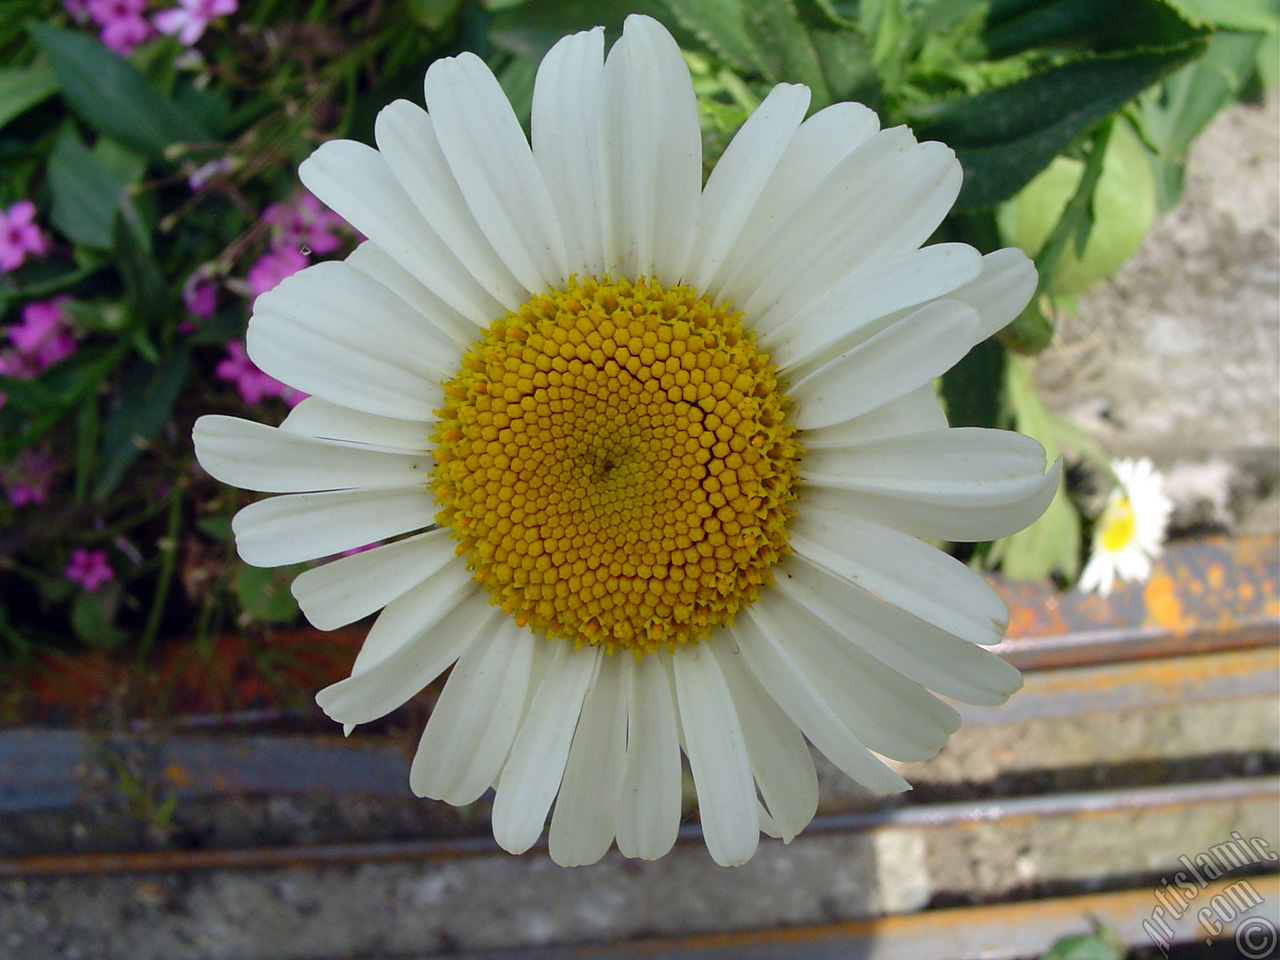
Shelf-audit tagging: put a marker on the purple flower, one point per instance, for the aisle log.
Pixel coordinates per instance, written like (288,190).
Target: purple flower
(200,294)
(207,171)
(20,236)
(301,221)
(253,384)
(189,18)
(274,267)
(29,476)
(43,337)
(122,22)
(89,568)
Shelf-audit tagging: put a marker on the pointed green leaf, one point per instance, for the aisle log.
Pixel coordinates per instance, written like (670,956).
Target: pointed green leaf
(111,96)
(146,397)
(86,195)
(23,88)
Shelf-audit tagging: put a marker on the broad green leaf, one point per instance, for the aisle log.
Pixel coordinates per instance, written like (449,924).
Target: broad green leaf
(1052,543)
(1122,204)
(720,26)
(1004,137)
(1251,15)
(22,88)
(264,593)
(516,79)
(93,615)
(1103,944)
(1174,114)
(433,14)
(86,194)
(1101,26)
(113,97)
(532,28)
(145,398)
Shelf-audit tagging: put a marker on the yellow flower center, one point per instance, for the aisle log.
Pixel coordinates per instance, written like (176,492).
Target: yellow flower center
(616,464)
(1117,525)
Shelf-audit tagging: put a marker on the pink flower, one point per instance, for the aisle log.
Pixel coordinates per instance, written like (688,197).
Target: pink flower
(253,384)
(188,20)
(199,293)
(301,221)
(43,337)
(274,267)
(89,568)
(20,236)
(77,10)
(29,476)
(122,22)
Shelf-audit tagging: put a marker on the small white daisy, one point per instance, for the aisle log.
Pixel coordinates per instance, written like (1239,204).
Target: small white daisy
(680,446)
(1130,530)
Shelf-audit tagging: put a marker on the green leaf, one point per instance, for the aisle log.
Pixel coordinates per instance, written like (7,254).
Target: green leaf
(971,389)
(1101,26)
(1103,944)
(146,294)
(86,195)
(433,14)
(721,27)
(1004,137)
(1174,114)
(146,397)
(264,593)
(93,615)
(1250,15)
(111,96)
(1112,217)
(1052,543)
(531,29)
(23,88)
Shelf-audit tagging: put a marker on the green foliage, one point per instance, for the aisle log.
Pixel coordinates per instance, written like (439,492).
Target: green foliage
(114,98)
(1103,943)
(21,89)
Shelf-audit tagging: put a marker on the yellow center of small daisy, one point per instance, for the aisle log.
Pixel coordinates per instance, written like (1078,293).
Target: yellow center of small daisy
(1117,525)
(616,464)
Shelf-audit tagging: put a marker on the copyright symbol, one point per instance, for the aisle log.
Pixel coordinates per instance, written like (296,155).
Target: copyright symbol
(1255,938)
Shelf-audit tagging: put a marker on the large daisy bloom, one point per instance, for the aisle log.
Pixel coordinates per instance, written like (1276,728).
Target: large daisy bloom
(655,459)
(1129,533)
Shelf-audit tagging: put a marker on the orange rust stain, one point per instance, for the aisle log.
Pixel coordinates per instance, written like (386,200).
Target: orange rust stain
(1163,606)
(1216,575)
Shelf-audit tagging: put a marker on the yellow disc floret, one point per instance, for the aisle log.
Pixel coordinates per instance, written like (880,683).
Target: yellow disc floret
(616,464)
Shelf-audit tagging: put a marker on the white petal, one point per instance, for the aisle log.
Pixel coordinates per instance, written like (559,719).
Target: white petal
(532,775)
(323,420)
(818,146)
(333,332)
(897,360)
(760,644)
(344,590)
(651,153)
(355,180)
(890,714)
(848,313)
(1005,286)
(741,175)
(902,570)
(305,526)
(717,756)
(473,724)
(407,138)
(871,213)
(406,618)
(582,825)
(780,758)
(956,484)
(418,656)
(494,166)
(928,655)
(566,144)
(913,412)
(649,809)
(254,456)
(370,260)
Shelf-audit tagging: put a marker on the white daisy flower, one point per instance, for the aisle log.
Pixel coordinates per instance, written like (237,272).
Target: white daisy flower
(680,446)
(1130,530)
